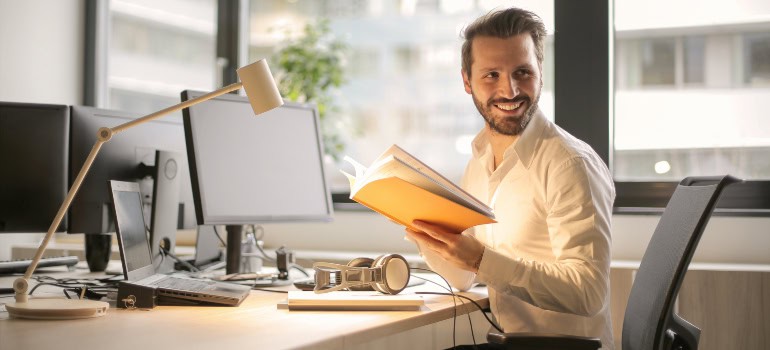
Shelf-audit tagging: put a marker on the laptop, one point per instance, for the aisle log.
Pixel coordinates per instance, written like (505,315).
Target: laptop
(137,264)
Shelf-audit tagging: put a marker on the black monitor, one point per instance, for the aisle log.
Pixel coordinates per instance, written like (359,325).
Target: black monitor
(248,169)
(34,141)
(128,156)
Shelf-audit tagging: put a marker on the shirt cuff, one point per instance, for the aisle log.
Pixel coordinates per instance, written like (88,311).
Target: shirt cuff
(498,270)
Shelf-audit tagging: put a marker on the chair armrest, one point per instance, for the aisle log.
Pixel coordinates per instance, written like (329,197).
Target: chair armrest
(542,341)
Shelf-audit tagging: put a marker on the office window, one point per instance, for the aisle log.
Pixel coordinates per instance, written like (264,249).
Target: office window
(403,72)
(658,61)
(156,49)
(757,58)
(691,90)
(694,51)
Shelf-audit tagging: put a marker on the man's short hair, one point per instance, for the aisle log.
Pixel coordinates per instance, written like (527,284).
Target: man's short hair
(504,24)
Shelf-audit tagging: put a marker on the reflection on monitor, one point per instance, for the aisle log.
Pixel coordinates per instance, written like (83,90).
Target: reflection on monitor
(34,140)
(120,159)
(248,169)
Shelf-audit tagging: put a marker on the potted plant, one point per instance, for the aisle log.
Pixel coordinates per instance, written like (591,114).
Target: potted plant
(310,68)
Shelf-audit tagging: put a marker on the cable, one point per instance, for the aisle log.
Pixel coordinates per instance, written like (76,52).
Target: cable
(185,263)
(300,269)
(454,300)
(491,322)
(216,232)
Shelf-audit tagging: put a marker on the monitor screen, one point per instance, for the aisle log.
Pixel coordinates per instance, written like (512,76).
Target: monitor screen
(34,141)
(120,159)
(249,169)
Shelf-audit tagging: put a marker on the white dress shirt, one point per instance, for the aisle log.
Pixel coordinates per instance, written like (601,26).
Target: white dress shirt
(547,259)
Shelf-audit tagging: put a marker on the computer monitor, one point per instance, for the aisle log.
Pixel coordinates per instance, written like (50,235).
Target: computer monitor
(128,156)
(34,142)
(248,169)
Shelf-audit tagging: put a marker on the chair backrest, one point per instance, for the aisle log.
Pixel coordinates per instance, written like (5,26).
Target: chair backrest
(649,321)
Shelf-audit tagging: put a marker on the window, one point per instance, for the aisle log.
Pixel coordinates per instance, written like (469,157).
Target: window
(757,58)
(691,113)
(403,73)
(155,50)
(658,61)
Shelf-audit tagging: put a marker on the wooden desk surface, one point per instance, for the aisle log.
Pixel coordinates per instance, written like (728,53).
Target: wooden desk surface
(256,324)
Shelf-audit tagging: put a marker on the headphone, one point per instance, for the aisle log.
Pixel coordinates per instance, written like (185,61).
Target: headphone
(388,274)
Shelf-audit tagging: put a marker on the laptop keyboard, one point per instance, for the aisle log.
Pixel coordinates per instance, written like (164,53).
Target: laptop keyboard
(181,284)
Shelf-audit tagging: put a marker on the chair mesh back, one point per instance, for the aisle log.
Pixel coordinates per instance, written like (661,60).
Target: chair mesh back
(657,282)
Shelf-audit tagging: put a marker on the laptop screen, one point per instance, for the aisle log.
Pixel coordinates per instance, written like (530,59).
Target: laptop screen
(130,226)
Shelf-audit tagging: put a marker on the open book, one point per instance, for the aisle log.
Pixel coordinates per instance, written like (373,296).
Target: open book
(402,188)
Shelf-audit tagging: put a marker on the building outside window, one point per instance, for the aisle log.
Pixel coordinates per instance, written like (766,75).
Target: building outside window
(691,90)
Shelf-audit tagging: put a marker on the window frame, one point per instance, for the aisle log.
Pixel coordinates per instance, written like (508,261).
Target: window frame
(584,42)
(585,47)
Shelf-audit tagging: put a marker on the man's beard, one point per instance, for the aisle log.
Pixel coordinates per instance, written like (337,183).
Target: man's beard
(510,126)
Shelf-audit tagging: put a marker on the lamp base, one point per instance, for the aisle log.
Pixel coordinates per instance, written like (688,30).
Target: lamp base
(57,309)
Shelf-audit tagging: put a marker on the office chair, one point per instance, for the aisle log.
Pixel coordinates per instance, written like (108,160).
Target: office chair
(650,322)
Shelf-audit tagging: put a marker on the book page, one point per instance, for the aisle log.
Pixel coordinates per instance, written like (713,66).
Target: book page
(407,158)
(391,166)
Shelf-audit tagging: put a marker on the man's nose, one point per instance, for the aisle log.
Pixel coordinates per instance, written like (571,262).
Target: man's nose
(508,88)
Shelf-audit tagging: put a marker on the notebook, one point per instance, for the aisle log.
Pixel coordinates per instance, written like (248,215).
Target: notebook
(137,264)
(352,301)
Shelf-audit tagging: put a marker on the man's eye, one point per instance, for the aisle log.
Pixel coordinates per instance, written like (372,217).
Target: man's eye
(523,73)
(492,75)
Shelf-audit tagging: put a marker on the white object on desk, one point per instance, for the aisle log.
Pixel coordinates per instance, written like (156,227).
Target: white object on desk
(353,300)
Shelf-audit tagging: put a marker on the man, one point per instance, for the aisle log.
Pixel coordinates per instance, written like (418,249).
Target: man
(546,260)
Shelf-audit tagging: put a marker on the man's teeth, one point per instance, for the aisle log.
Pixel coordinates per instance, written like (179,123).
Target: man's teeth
(509,107)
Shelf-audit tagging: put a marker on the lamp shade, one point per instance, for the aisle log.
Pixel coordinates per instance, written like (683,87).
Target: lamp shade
(260,87)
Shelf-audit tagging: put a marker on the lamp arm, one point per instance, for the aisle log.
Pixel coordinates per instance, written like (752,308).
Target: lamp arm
(178,107)
(21,285)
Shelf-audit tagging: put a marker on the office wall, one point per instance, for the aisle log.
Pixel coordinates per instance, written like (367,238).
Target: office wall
(41,61)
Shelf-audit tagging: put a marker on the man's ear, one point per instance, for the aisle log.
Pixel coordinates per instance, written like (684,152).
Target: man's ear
(466,81)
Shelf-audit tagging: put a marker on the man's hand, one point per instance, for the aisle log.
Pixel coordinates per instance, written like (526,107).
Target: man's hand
(460,250)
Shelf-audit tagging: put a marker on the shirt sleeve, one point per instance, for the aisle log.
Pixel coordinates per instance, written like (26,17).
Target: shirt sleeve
(579,197)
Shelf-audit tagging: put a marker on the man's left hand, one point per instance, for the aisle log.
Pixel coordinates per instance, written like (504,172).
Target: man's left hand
(460,250)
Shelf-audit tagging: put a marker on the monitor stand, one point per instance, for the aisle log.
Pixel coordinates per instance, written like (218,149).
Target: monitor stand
(165,207)
(233,252)
(233,256)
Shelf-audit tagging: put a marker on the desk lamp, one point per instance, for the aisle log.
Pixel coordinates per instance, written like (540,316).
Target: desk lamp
(263,95)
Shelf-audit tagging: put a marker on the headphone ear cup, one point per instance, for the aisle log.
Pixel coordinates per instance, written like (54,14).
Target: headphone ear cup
(395,273)
(361,262)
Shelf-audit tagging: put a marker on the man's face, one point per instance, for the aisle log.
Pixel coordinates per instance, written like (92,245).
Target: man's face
(505,81)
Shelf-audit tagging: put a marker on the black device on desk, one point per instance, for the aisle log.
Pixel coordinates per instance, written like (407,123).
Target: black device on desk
(144,287)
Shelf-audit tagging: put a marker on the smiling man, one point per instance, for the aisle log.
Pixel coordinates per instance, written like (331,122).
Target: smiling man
(546,261)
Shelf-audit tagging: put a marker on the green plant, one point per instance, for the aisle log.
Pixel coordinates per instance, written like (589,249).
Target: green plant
(310,68)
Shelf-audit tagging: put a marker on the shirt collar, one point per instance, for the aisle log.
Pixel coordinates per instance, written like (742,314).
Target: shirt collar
(524,148)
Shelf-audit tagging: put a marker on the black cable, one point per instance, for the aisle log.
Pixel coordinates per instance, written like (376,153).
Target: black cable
(216,232)
(454,300)
(300,269)
(470,322)
(491,322)
(185,263)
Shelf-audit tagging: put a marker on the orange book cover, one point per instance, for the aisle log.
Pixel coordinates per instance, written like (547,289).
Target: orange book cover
(404,189)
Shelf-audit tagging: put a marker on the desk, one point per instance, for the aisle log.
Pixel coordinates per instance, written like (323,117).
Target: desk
(255,324)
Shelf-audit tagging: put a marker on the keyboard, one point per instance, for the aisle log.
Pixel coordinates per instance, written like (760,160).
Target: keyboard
(21,265)
(182,284)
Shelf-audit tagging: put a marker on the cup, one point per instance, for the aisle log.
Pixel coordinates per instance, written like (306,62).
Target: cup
(98,251)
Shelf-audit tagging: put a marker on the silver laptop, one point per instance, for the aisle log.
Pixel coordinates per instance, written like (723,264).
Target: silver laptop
(137,259)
